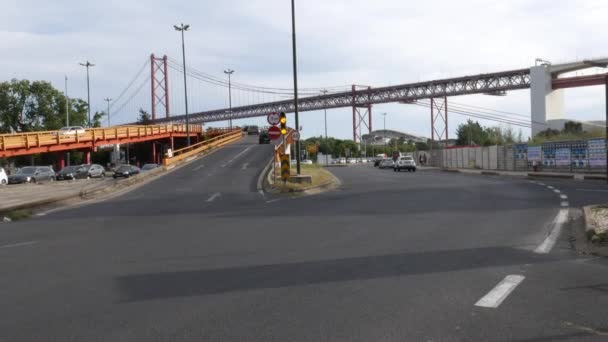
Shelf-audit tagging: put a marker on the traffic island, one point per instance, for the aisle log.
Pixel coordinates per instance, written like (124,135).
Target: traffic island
(590,230)
(313,179)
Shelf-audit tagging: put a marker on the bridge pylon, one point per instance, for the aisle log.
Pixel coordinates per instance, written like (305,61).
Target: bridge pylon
(439,119)
(159,81)
(362,115)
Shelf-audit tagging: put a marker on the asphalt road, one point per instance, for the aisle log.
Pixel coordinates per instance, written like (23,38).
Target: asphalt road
(201,255)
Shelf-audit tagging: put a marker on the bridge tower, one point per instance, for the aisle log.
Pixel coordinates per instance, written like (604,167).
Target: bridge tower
(362,115)
(159,84)
(439,119)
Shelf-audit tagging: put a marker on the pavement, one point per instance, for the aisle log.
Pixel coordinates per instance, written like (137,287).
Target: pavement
(201,255)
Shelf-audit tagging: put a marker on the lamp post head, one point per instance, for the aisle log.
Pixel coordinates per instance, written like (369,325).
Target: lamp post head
(182,27)
(228,71)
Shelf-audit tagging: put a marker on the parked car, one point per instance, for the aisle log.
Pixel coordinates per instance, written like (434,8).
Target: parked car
(71,130)
(32,174)
(386,163)
(253,130)
(307,161)
(351,161)
(377,162)
(264,137)
(3,177)
(406,163)
(67,173)
(148,167)
(342,161)
(126,171)
(87,171)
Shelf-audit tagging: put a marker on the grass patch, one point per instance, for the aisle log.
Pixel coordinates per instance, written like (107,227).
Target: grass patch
(20,214)
(320,176)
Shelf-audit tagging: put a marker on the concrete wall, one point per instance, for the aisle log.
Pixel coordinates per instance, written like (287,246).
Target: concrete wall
(545,103)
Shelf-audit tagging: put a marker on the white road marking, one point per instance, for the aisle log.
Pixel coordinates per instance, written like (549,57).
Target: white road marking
(213,197)
(19,244)
(199,167)
(565,204)
(556,229)
(274,200)
(500,292)
(563,197)
(238,155)
(556,191)
(539,183)
(245,166)
(592,190)
(550,187)
(261,192)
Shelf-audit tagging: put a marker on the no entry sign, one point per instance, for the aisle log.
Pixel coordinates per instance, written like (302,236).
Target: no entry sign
(274,132)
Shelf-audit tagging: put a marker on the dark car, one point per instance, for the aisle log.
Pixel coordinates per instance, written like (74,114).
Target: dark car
(67,173)
(264,137)
(148,167)
(87,171)
(377,162)
(126,171)
(32,174)
(253,130)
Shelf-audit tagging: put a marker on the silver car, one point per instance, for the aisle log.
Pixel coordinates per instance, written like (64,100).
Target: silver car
(386,164)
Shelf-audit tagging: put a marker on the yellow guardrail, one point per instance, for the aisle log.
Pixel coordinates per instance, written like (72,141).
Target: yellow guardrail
(201,147)
(46,138)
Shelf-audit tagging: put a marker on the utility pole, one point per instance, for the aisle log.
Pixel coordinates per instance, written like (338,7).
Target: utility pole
(183,28)
(67,114)
(295,78)
(384,131)
(107,99)
(88,65)
(325,91)
(229,73)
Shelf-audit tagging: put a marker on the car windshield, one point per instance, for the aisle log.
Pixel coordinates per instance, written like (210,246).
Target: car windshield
(29,170)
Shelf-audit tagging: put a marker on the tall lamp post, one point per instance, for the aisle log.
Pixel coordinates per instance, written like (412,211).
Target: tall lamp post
(325,91)
(229,73)
(295,79)
(67,114)
(183,28)
(88,65)
(107,99)
(384,131)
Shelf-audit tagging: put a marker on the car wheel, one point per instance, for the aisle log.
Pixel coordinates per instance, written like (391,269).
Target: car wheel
(103,175)
(413,170)
(52,179)
(115,176)
(33,180)
(3,182)
(89,176)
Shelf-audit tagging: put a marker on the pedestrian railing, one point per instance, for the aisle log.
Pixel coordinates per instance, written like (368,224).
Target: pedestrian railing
(202,147)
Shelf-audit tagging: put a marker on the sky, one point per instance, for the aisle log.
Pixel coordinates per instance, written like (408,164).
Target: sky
(340,42)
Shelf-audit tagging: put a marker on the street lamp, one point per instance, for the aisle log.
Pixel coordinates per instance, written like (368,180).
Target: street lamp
(183,28)
(384,131)
(88,65)
(107,99)
(229,73)
(325,91)
(67,113)
(295,78)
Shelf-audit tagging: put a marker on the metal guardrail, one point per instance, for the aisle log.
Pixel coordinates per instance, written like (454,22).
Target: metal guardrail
(31,140)
(201,147)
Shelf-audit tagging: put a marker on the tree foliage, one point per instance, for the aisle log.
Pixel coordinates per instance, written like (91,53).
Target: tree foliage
(144,118)
(472,133)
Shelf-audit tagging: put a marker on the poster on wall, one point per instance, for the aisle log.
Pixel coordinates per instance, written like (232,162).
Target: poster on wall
(548,152)
(534,154)
(521,151)
(578,154)
(597,152)
(562,156)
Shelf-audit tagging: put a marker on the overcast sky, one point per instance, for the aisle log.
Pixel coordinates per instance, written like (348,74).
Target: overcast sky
(340,42)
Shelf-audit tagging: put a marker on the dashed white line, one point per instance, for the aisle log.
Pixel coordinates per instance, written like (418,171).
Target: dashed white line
(500,292)
(245,166)
(274,200)
(556,191)
(563,197)
(213,197)
(198,167)
(539,183)
(238,155)
(556,228)
(19,244)
(565,204)
(550,187)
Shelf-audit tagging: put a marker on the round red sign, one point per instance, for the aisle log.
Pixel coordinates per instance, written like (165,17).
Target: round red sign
(274,132)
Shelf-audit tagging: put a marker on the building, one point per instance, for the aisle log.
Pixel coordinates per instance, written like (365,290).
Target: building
(382,137)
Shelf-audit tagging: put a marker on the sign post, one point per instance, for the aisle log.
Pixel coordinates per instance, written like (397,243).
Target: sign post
(274,132)
(285,172)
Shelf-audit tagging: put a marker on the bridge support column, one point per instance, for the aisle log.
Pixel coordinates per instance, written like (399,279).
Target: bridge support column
(154,153)
(439,119)
(546,103)
(87,157)
(61,160)
(362,114)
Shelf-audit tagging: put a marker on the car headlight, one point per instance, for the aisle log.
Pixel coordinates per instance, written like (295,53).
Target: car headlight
(27,179)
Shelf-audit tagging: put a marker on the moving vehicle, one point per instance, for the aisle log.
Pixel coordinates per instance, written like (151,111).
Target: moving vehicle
(32,174)
(406,163)
(342,160)
(71,130)
(126,171)
(3,177)
(148,167)
(264,137)
(87,171)
(253,130)
(67,173)
(386,163)
(377,161)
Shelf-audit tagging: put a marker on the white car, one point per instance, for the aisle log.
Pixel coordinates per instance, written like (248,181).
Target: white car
(307,161)
(352,161)
(405,163)
(71,130)
(342,161)
(3,177)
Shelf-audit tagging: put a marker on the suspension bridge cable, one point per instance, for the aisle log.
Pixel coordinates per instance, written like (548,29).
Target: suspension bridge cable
(137,75)
(135,93)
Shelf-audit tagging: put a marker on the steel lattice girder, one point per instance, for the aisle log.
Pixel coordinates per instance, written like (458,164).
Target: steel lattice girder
(479,84)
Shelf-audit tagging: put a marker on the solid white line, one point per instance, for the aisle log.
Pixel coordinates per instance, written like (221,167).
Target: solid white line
(565,204)
(501,291)
(213,197)
(245,166)
(556,228)
(238,155)
(199,167)
(19,244)
(556,191)
(592,190)
(563,197)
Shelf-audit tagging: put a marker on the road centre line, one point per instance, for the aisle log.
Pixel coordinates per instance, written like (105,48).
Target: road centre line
(500,292)
(565,204)
(238,155)
(198,167)
(556,191)
(539,183)
(556,228)
(550,187)
(213,197)
(563,197)
(27,243)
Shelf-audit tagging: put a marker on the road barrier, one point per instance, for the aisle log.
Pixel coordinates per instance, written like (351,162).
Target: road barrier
(192,150)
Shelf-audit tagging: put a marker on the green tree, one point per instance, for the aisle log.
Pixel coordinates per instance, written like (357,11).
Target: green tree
(572,127)
(144,118)
(470,133)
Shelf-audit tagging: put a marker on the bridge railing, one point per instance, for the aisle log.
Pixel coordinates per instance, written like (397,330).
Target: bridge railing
(195,149)
(28,140)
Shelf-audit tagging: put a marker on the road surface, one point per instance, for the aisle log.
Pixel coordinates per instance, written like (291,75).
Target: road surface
(201,255)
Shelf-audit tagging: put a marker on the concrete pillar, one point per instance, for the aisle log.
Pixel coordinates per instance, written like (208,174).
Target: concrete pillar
(61,160)
(87,157)
(154,153)
(546,103)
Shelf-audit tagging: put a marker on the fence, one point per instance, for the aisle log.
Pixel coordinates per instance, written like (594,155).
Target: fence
(201,147)
(584,156)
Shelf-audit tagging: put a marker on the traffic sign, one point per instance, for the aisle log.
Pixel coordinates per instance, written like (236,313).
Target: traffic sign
(274,132)
(295,135)
(285,173)
(273,118)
